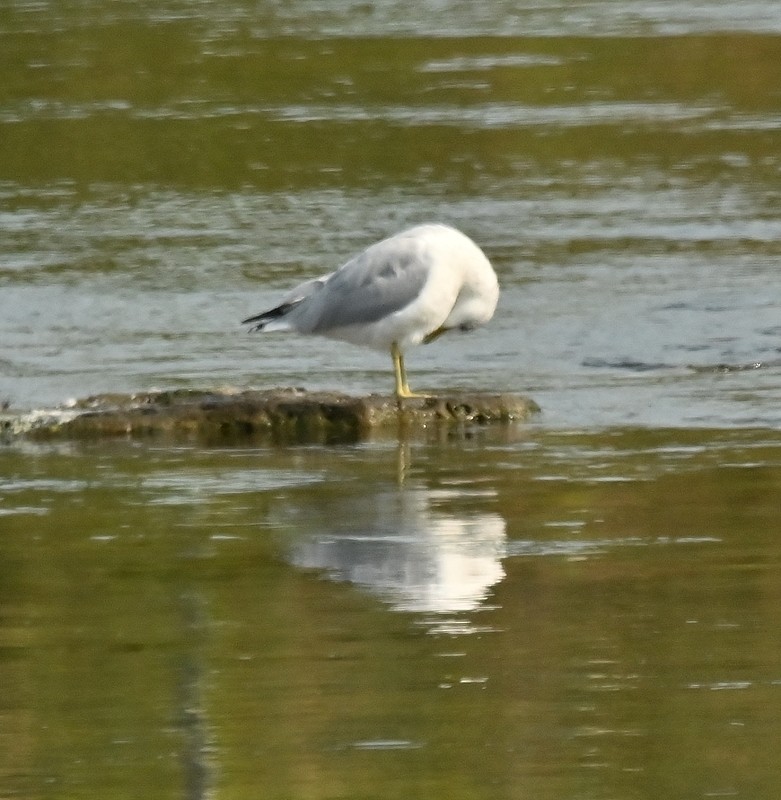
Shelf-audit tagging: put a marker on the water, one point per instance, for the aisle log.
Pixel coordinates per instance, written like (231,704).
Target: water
(583,607)
(511,613)
(169,169)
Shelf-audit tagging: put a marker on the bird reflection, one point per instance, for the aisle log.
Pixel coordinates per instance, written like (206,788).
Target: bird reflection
(407,545)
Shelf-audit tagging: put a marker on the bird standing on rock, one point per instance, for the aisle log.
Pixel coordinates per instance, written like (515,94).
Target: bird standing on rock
(403,291)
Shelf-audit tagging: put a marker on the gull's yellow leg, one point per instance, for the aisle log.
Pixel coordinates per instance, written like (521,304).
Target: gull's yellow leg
(400,374)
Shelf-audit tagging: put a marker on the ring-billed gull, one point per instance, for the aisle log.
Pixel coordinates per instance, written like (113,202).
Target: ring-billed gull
(403,291)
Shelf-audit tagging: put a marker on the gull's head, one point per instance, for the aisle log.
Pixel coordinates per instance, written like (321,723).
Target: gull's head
(478,295)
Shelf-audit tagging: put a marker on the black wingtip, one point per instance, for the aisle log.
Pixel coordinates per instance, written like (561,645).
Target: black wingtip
(267,316)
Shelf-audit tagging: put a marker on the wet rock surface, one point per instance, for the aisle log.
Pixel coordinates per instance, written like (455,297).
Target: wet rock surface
(288,415)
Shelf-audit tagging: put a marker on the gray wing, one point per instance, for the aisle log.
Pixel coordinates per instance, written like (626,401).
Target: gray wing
(383,279)
(289,302)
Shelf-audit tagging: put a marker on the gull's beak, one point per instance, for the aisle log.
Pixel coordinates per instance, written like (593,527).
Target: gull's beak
(429,337)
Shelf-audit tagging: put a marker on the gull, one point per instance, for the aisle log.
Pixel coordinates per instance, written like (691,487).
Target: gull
(404,291)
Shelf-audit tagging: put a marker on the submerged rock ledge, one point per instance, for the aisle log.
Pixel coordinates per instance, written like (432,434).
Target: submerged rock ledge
(288,415)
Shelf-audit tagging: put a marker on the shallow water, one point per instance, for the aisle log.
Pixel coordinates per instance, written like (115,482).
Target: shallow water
(508,613)
(582,607)
(168,169)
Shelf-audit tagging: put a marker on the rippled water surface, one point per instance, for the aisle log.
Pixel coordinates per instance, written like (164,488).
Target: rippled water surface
(503,614)
(584,607)
(168,168)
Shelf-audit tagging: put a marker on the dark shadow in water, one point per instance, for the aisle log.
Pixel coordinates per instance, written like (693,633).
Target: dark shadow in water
(197,766)
(632,365)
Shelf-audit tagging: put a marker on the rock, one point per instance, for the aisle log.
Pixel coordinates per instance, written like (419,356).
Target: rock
(289,415)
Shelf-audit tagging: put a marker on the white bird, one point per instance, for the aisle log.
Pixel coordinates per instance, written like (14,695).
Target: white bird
(403,291)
